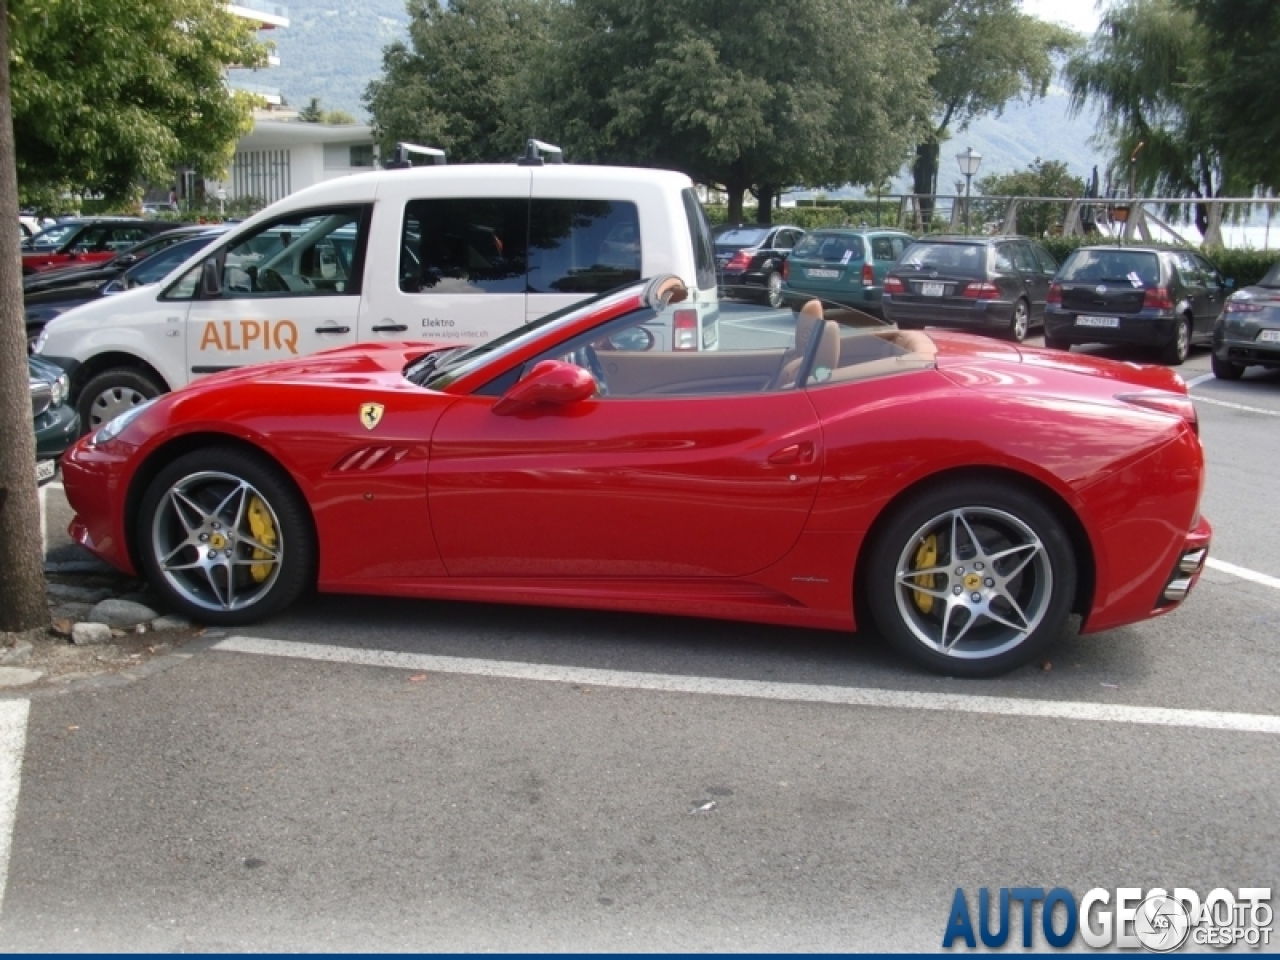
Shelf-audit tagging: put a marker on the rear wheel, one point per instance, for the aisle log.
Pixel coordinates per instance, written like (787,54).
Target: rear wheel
(773,288)
(1056,343)
(111,393)
(1225,369)
(222,534)
(972,579)
(1020,322)
(1176,350)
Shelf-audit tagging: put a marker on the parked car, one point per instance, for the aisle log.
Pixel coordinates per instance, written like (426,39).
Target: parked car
(1247,332)
(749,259)
(57,424)
(988,284)
(1146,296)
(844,265)
(45,300)
(837,473)
(74,242)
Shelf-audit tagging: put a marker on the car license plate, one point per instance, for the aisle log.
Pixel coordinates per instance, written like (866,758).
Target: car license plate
(933,289)
(1087,321)
(1269,336)
(45,471)
(823,274)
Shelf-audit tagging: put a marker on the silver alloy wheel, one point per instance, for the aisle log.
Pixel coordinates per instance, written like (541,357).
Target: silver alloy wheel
(112,402)
(211,537)
(988,595)
(1183,344)
(1021,321)
(774,282)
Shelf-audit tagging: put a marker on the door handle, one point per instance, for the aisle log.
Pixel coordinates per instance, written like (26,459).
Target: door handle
(333,329)
(795,453)
(390,328)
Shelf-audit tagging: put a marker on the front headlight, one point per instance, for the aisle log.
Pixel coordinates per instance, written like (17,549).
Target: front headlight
(61,387)
(113,428)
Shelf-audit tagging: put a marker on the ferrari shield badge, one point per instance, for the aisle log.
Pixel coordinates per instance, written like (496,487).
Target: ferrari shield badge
(370,414)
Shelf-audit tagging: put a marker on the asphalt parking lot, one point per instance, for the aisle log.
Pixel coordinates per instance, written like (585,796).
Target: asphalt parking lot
(369,774)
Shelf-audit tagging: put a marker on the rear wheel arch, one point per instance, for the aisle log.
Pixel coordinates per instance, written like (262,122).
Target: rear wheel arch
(1081,546)
(166,453)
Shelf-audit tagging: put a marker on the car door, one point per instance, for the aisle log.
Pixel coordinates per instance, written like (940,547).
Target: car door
(290,288)
(1215,295)
(684,468)
(1195,290)
(1034,281)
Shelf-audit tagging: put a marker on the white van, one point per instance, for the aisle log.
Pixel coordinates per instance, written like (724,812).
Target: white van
(444,253)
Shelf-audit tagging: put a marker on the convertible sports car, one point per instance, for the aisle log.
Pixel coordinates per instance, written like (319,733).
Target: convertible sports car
(819,469)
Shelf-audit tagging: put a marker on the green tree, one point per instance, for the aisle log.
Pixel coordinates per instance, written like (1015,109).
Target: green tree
(114,93)
(1043,178)
(1238,89)
(1141,69)
(987,53)
(466,81)
(751,96)
(312,113)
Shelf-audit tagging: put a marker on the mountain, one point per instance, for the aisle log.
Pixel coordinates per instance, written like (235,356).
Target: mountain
(332,49)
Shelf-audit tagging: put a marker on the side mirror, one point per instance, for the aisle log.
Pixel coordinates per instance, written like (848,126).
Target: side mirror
(126,259)
(552,383)
(1229,283)
(210,281)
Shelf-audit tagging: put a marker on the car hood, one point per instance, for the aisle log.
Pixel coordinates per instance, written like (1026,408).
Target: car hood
(68,276)
(75,292)
(361,364)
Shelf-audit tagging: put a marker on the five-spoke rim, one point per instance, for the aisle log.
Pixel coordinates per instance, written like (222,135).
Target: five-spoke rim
(973,583)
(217,541)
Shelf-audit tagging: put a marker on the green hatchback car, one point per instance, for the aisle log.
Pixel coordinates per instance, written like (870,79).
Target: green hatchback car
(844,264)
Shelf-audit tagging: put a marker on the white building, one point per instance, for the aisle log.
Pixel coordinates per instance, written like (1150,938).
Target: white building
(282,156)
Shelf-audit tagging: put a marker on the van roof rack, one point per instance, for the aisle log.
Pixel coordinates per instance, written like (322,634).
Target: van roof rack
(400,159)
(533,154)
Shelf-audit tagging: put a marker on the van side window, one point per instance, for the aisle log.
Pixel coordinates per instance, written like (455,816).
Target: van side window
(311,253)
(582,246)
(461,245)
(700,233)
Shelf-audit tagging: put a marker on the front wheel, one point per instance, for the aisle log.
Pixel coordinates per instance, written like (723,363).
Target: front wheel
(773,288)
(972,579)
(223,535)
(112,393)
(1225,369)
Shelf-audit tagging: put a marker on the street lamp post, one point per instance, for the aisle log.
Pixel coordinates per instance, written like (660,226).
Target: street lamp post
(969,164)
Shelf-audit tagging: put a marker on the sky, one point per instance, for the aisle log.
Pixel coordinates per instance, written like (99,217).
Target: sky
(1078,14)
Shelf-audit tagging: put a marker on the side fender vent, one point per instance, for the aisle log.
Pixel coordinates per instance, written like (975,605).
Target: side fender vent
(370,458)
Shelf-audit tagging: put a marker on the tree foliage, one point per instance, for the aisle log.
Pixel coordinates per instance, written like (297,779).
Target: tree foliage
(314,113)
(987,52)
(1043,178)
(1242,43)
(1142,69)
(744,95)
(113,93)
(466,82)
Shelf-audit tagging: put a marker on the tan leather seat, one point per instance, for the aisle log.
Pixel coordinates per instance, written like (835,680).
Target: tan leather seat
(807,321)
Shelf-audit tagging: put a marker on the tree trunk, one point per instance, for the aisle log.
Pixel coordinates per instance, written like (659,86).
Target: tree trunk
(735,192)
(765,195)
(22,593)
(925,179)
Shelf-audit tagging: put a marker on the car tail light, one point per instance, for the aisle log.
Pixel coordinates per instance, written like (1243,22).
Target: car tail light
(1055,293)
(868,275)
(739,261)
(981,291)
(786,269)
(1174,403)
(684,330)
(1244,306)
(1157,298)
(894,285)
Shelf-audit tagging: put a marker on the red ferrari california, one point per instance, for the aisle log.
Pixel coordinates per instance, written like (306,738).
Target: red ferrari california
(819,470)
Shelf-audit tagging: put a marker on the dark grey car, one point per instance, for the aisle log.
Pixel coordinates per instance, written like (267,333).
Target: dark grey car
(994,284)
(1247,332)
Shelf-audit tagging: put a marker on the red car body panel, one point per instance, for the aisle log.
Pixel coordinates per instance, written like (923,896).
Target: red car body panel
(753,507)
(39,262)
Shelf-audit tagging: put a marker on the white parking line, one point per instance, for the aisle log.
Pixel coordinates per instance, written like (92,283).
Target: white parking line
(756,689)
(1199,380)
(1236,406)
(13,738)
(1244,573)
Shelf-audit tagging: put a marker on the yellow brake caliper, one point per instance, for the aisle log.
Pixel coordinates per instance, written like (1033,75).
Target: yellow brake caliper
(264,531)
(926,557)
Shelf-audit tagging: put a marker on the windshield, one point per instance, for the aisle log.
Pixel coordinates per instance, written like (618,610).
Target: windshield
(829,248)
(52,236)
(157,266)
(738,237)
(963,259)
(1136,267)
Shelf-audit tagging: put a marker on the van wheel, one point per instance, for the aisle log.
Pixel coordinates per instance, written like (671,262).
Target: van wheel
(111,393)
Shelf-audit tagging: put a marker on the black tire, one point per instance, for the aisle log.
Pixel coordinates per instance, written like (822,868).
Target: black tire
(773,289)
(185,557)
(1225,369)
(1177,350)
(1000,516)
(1019,322)
(111,392)
(1056,343)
